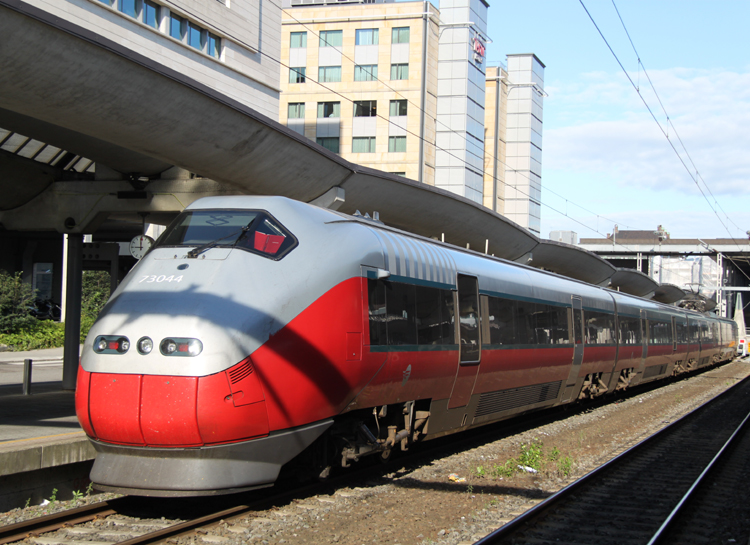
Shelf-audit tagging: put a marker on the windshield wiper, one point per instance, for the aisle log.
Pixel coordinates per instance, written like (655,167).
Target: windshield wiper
(195,252)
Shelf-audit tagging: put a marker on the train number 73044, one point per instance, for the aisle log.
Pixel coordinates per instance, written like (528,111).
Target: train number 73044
(151,278)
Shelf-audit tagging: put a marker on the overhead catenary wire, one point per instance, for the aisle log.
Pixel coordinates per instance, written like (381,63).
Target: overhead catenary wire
(668,118)
(661,128)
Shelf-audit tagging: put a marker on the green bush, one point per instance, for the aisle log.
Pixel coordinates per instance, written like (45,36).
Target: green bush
(24,332)
(16,299)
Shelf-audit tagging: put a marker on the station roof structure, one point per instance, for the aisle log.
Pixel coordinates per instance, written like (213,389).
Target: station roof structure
(153,117)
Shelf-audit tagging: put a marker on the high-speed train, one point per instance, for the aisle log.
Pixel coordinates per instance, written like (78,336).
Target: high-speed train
(261,331)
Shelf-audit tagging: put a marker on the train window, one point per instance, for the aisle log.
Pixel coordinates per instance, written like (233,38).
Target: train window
(429,323)
(401,310)
(376,296)
(694,332)
(659,332)
(630,330)
(525,321)
(250,230)
(448,317)
(681,332)
(552,325)
(600,327)
(501,313)
(404,314)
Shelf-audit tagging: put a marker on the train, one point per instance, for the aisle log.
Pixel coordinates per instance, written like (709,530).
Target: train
(261,333)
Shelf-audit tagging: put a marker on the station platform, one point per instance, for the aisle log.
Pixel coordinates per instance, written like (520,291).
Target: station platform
(41,443)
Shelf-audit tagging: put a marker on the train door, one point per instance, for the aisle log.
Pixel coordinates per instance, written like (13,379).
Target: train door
(470,347)
(645,336)
(578,345)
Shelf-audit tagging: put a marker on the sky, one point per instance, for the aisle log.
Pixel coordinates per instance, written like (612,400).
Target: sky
(605,159)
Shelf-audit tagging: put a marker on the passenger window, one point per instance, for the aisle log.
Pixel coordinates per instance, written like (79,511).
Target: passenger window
(404,314)
(401,313)
(429,322)
(376,295)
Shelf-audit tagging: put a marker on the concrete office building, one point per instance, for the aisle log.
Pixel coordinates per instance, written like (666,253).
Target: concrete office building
(404,87)
(228,45)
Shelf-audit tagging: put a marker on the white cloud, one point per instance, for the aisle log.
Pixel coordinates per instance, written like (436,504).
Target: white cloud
(599,126)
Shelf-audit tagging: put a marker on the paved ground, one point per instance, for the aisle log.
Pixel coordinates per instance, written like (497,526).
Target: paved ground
(48,411)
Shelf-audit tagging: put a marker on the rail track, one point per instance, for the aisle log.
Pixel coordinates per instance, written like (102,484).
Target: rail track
(673,487)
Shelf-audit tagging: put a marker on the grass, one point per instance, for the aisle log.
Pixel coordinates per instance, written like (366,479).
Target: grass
(531,455)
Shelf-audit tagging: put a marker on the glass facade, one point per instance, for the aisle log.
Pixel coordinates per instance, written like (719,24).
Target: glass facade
(331,38)
(400,35)
(329,109)
(399,71)
(298,39)
(363,144)
(366,72)
(398,108)
(297,75)
(329,74)
(366,36)
(396,144)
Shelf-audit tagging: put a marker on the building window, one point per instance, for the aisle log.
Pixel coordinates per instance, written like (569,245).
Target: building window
(363,144)
(108,2)
(329,109)
(297,75)
(396,144)
(214,45)
(398,108)
(127,7)
(400,71)
(366,36)
(329,74)
(151,14)
(365,108)
(175,26)
(366,72)
(194,36)
(331,143)
(400,35)
(298,39)
(331,38)
(296,110)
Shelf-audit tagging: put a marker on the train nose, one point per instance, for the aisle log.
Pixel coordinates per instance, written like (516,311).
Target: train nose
(171,411)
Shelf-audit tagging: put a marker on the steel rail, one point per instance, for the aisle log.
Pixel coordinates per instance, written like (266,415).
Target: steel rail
(507,529)
(661,532)
(55,521)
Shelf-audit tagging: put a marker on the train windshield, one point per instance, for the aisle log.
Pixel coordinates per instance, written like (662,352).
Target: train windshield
(251,230)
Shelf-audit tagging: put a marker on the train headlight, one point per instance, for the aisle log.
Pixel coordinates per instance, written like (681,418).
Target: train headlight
(178,346)
(145,345)
(168,346)
(111,344)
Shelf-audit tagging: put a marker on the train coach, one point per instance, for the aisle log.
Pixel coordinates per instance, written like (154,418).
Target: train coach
(260,332)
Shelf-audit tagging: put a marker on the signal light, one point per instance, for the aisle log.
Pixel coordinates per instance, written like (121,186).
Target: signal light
(177,346)
(111,344)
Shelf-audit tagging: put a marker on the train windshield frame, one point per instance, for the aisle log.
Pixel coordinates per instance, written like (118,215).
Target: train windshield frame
(254,231)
